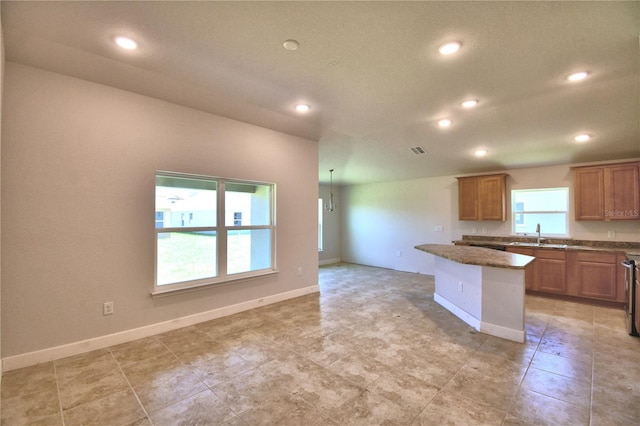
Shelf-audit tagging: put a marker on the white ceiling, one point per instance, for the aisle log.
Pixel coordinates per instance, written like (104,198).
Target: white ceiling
(371,73)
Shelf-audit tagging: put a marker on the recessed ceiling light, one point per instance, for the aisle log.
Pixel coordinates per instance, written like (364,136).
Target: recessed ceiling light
(449,48)
(470,103)
(582,138)
(302,108)
(480,152)
(126,43)
(291,44)
(577,76)
(445,122)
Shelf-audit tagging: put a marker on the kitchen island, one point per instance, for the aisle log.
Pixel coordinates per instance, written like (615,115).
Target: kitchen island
(482,287)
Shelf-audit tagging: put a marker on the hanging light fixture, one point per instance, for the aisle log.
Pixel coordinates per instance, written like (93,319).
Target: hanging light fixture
(331,206)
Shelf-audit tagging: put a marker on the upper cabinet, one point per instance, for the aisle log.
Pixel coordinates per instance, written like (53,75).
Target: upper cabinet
(607,192)
(482,197)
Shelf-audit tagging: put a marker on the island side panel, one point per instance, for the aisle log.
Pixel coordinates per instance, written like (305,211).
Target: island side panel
(503,309)
(459,289)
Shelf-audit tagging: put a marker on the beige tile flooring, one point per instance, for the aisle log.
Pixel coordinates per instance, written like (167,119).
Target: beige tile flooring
(372,348)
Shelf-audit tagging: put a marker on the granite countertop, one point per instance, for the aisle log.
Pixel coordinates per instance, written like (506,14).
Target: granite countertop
(478,256)
(623,247)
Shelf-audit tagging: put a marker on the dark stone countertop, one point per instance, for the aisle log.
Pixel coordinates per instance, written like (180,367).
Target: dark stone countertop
(478,256)
(622,247)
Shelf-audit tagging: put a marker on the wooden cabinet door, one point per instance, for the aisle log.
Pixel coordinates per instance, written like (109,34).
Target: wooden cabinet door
(609,192)
(550,276)
(622,192)
(550,271)
(482,197)
(637,319)
(529,275)
(492,203)
(588,187)
(468,198)
(595,276)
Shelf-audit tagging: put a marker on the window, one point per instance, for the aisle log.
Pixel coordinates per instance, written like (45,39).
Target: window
(237,219)
(211,230)
(320,224)
(547,207)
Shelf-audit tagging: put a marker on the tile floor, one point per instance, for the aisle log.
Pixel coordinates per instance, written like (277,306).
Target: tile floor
(372,348)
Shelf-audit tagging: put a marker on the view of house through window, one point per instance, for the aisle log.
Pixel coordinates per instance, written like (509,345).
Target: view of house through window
(548,207)
(210,229)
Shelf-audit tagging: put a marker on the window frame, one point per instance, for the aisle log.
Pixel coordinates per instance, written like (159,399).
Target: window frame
(524,212)
(221,229)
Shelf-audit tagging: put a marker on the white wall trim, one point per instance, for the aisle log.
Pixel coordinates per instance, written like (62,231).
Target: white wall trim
(504,332)
(76,348)
(329,261)
(457,311)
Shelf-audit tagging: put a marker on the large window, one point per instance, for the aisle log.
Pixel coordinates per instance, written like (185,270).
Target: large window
(211,230)
(547,207)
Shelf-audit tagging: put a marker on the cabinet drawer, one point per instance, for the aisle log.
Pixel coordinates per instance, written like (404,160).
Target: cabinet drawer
(550,254)
(598,257)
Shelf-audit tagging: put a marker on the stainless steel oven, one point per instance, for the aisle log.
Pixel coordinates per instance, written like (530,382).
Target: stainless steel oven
(632,311)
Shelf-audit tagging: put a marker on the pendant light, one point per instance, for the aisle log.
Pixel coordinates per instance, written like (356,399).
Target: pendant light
(331,206)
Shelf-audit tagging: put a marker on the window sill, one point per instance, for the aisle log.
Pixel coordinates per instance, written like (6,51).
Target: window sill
(202,286)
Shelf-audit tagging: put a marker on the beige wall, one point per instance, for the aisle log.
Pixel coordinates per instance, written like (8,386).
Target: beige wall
(78,163)
(382,222)
(331,227)
(1,97)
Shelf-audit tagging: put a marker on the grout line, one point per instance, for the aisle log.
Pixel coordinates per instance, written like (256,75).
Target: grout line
(55,373)
(593,371)
(543,321)
(208,388)
(144,410)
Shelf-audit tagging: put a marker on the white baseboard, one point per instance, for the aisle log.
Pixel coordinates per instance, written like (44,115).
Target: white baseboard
(329,261)
(504,332)
(460,313)
(83,346)
(483,327)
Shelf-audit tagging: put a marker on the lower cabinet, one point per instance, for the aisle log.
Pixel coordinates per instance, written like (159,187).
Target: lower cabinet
(586,274)
(596,275)
(550,271)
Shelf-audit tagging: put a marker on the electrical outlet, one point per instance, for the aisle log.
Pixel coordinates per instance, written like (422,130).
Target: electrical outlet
(398,253)
(474,230)
(299,270)
(460,286)
(438,228)
(611,234)
(107,308)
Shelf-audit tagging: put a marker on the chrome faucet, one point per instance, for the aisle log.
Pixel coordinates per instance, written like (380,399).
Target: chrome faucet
(538,231)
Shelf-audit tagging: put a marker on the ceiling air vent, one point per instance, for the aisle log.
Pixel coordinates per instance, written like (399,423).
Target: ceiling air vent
(417,150)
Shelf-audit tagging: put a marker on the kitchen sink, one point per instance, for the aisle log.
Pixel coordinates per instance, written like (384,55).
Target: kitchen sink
(542,245)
